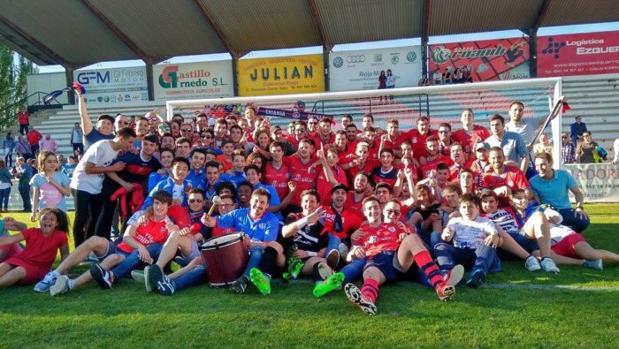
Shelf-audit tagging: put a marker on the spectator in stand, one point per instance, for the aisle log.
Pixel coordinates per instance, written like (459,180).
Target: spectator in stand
(424,81)
(551,187)
(437,77)
(588,151)
(567,149)
(23,118)
(77,137)
(544,145)
(5,186)
(616,151)
(8,144)
(514,147)
(34,137)
(48,144)
(577,129)
(22,148)
(104,128)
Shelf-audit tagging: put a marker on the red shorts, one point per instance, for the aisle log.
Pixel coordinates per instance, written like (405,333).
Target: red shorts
(566,246)
(34,273)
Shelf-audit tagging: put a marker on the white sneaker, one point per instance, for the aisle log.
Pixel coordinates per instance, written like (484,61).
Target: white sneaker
(47,282)
(549,266)
(596,264)
(532,263)
(60,286)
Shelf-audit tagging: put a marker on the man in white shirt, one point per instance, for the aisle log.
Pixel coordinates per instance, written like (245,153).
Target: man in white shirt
(87,180)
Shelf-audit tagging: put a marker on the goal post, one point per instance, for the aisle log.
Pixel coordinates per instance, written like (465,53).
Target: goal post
(443,103)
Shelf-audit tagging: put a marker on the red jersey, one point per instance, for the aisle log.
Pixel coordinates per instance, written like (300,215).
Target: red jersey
(278,178)
(511,177)
(351,220)
(302,174)
(41,250)
(468,140)
(454,170)
(34,137)
(418,141)
(352,204)
(148,233)
(225,163)
(374,240)
(414,169)
(367,168)
(395,144)
(22,118)
(431,165)
(324,187)
(325,142)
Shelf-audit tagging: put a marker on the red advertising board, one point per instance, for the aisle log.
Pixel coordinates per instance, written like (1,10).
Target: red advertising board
(578,54)
(502,59)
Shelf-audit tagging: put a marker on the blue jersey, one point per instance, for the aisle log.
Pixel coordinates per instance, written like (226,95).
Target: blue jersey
(264,230)
(554,191)
(197,179)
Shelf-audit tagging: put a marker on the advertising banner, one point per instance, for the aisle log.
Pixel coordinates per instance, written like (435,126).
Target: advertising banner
(281,75)
(113,86)
(193,80)
(578,54)
(373,69)
(501,59)
(599,182)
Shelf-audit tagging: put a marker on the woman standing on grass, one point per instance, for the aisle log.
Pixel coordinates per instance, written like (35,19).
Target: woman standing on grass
(5,186)
(42,244)
(50,185)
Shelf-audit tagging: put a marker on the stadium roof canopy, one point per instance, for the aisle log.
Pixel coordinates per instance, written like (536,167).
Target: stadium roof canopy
(76,33)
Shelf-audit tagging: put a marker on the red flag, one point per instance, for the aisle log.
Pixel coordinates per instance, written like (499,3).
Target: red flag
(565,107)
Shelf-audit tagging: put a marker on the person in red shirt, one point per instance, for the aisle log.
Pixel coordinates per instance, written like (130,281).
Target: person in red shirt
(360,190)
(470,134)
(467,181)
(359,162)
(432,157)
(503,178)
(329,173)
(391,249)
(459,160)
(342,145)
(324,136)
(276,173)
(338,220)
(301,171)
(23,118)
(42,244)
(393,138)
(444,138)
(142,242)
(34,137)
(407,161)
(481,159)
(417,137)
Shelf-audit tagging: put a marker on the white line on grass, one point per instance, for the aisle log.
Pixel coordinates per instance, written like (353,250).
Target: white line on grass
(554,287)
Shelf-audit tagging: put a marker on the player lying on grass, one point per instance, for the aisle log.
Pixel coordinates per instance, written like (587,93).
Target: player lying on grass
(141,244)
(474,241)
(28,265)
(566,242)
(390,253)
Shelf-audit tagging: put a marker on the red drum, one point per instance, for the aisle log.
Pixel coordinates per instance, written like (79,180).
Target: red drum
(225,257)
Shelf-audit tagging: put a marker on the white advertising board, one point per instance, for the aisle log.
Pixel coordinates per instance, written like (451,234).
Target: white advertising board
(361,70)
(193,80)
(113,86)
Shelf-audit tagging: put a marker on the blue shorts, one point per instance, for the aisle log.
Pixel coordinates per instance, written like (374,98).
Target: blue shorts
(111,249)
(387,263)
(528,244)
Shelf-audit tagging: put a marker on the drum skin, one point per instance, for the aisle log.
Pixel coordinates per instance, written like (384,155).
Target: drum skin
(225,257)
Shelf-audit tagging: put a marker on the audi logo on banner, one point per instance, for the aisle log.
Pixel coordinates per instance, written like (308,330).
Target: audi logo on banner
(355,59)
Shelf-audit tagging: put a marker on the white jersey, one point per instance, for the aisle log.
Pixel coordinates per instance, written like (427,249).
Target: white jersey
(559,232)
(100,154)
(470,234)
